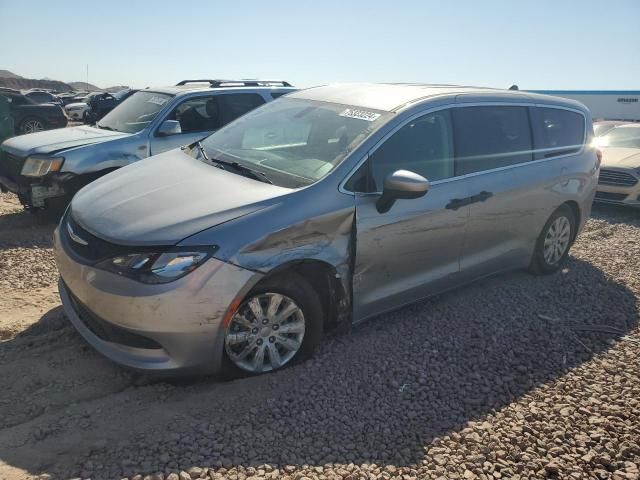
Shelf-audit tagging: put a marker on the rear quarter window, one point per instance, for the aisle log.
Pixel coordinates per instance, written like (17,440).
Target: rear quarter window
(557,132)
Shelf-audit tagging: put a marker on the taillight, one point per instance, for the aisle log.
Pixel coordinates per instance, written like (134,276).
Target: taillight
(599,156)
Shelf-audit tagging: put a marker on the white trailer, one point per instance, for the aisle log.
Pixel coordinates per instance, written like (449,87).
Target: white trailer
(604,104)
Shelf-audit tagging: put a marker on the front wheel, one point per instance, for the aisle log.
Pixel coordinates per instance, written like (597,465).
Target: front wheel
(554,242)
(278,323)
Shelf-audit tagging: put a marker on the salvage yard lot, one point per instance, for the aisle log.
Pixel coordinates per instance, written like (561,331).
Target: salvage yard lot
(515,377)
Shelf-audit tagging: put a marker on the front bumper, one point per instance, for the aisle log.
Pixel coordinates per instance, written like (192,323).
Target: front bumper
(628,195)
(174,326)
(32,191)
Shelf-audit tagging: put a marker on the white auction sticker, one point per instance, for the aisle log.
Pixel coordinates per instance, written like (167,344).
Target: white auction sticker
(157,100)
(360,114)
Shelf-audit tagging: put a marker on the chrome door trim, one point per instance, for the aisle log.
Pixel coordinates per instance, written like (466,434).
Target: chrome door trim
(427,111)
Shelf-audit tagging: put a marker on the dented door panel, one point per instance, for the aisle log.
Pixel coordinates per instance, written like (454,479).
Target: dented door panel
(408,253)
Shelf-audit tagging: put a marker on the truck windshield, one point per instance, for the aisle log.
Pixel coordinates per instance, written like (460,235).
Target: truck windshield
(293,142)
(628,137)
(134,113)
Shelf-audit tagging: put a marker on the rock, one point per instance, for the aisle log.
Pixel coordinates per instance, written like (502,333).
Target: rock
(552,468)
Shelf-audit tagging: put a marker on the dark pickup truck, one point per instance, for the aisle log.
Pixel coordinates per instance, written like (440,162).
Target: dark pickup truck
(30,117)
(101,104)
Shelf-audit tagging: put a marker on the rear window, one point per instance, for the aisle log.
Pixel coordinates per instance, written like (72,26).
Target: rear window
(491,137)
(558,132)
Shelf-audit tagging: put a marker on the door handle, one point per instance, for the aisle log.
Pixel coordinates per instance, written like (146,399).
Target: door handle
(456,203)
(483,196)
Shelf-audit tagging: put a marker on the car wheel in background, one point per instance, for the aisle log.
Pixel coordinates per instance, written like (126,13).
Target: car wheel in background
(554,242)
(31,125)
(278,323)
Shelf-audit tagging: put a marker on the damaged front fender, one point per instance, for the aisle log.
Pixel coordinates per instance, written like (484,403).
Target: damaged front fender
(280,237)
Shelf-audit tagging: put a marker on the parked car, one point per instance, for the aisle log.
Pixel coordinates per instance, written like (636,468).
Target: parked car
(48,168)
(77,109)
(100,105)
(330,205)
(601,128)
(619,180)
(68,97)
(29,117)
(39,96)
(7,128)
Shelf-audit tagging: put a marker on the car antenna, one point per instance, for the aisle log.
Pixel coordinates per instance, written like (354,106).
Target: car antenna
(514,87)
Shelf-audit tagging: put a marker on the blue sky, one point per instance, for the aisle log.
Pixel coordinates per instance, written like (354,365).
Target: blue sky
(544,44)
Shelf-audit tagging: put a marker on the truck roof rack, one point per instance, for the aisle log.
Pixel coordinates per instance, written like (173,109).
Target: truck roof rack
(237,83)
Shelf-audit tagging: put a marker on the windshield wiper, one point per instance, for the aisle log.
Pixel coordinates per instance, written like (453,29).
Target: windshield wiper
(243,169)
(202,151)
(104,127)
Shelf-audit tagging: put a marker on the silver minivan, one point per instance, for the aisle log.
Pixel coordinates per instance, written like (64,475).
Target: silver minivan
(318,210)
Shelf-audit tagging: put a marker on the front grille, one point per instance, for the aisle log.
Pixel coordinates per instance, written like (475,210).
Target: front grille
(611,196)
(11,166)
(96,248)
(616,178)
(107,331)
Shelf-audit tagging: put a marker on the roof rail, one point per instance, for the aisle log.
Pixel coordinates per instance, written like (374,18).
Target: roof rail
(237,83)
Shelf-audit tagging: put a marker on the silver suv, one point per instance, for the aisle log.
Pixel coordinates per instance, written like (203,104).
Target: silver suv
(46,169)
(323,208)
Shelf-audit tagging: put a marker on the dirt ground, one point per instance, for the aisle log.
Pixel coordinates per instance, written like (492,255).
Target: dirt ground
(517,377)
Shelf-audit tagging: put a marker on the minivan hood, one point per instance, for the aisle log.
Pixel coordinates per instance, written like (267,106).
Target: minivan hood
(166,198)
(51,141)
(620,157)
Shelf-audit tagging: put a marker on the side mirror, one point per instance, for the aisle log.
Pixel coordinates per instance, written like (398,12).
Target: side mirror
(169,127)
(401,184)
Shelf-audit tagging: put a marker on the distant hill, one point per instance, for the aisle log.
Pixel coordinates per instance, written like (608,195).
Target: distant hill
(8,74)
(84,86)
(11,80)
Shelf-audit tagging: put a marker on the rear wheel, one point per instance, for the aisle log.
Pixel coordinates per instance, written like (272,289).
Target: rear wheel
(278,323)
(31,125)
(554,242)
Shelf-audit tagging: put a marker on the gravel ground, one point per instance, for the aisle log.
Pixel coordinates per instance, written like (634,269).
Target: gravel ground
(517,377)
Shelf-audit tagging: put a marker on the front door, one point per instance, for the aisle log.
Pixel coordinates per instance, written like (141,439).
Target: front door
(413,250)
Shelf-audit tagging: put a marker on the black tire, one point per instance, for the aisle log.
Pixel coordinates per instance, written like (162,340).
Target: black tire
(31,125)
(297,289)
(541,265)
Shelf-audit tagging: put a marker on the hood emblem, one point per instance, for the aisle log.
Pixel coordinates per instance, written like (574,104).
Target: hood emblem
(75,237)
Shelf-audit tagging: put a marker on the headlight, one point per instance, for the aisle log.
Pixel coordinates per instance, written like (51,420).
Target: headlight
(156,267)
(40,166)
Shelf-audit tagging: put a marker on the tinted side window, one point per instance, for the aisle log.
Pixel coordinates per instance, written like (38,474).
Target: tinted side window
(491,137)
(235,105)
(423,146)
(199,114)
(558,132)
(275,95)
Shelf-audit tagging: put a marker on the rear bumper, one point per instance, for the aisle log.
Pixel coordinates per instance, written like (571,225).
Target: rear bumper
(57,122)
(170,327)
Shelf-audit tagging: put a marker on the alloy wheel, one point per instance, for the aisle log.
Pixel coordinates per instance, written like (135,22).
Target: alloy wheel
(265,333)
(32,126)
(557,240)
